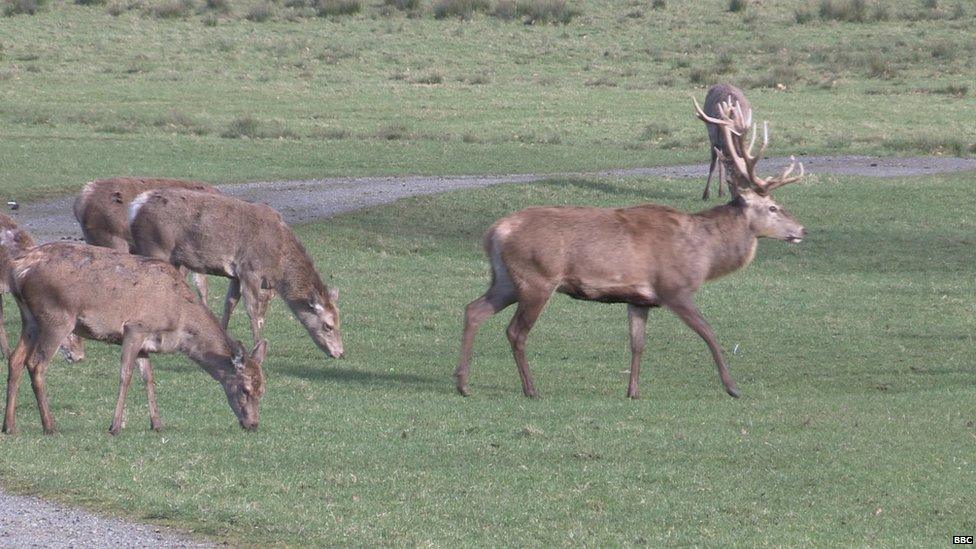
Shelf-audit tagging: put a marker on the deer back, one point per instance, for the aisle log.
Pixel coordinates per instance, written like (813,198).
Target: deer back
(102,207)
(209,233)
(715,96)
(602,253)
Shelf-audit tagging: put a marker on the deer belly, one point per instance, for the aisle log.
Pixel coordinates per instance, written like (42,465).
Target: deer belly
(634,294)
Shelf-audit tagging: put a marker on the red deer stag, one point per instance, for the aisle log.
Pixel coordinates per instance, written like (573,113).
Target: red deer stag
(102,210)
(139,303)
(645,256)
(716,96)
(72,348)
(248,243)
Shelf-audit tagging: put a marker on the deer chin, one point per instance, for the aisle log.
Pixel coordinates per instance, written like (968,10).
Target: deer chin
(794,239)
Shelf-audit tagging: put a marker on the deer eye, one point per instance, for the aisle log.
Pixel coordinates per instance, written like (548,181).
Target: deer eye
(773,209)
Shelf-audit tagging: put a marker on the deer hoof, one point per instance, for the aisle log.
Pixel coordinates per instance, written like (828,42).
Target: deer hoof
(633,395)
(463,390)
(114,430)
(156,426)
(531,393)
(732,391)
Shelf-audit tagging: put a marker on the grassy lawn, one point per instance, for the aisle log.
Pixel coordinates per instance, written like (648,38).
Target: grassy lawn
(855,360)
(191,92)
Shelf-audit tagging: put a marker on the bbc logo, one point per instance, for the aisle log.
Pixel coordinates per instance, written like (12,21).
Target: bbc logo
(962,540)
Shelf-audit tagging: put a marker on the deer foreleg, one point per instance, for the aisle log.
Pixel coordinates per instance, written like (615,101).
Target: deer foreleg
(638,322)
(233,296)
(145,369)
(688,313)
(131,347)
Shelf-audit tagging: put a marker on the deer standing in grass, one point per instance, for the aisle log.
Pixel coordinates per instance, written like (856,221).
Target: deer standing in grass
(714,98)
(248,243)
(102,210)
(139,303)
(72,348)
(645,256)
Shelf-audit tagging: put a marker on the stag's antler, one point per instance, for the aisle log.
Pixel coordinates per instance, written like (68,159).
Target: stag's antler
(733,124)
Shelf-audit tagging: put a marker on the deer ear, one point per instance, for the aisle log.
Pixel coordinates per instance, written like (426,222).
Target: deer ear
(260,351)
(333,294)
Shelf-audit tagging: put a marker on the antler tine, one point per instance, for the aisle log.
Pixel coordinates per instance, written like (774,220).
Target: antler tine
(784,178)
(721,122)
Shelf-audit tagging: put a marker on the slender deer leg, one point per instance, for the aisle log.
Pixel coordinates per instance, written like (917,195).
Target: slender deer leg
(528,311)
(688,313)
(145,369)
(499,296)
(233,296)
(15,369)
(49,338)
(638,321)
(131,346)
(256,301)
(708,182)
(4,344)
(200,281)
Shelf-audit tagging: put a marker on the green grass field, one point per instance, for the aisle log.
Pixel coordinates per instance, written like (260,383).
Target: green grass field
(855,360)
(85,94)
(855,350)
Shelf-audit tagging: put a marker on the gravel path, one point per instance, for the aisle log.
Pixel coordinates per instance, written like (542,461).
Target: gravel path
(31,522)
(304,201)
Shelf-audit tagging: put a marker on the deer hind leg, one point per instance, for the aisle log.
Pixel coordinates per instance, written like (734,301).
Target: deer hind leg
(131,347)
(688,313)
(530,306)
(500,295)
(708,182)
(230,301)
(49,338)
(638,322)
(145,369)
(15,369)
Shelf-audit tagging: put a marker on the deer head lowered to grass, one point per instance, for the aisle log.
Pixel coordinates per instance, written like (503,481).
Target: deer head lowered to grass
(142,304)
(718,95)
(645,256)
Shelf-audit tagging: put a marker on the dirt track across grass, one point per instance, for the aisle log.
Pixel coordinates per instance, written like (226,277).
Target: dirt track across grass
(311,200)
(27,521)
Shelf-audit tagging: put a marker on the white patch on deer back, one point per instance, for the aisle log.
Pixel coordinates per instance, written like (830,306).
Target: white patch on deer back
(86,191)
(137,204)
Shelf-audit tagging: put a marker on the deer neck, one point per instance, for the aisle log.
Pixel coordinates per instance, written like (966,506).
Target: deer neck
(205,342)
(732,242)
(299,279)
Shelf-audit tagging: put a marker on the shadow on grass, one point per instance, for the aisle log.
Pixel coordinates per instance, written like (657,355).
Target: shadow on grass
(368,377)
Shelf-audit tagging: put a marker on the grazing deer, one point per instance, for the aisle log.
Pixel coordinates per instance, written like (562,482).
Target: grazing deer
(716,96)
(72,348)
(248,243)
(645,256)
(102,210)
(139,303)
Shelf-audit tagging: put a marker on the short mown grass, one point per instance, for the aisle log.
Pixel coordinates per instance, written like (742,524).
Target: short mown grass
(854,351)
(152,87)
